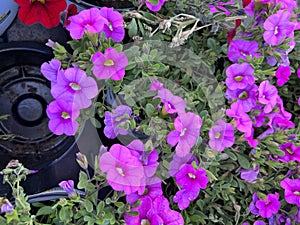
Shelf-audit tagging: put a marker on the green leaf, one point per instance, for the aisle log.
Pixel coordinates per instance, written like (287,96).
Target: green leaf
(243,161)
(45,210)
(88,205)
(153,2)
(132,28)
(149,109)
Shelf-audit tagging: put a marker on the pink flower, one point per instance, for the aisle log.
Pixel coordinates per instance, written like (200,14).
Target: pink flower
(283,73)
(240,49)
(291,190)
(87,20)
(267,95)
(75,83)
(63,114)
(239,76)
(111,64)
(250,174)
(124,171)
(291,152)
(152,6)
(68,187)
(184,197)
(186,133)
(268,206)
(51,70)
(178,162)
(221,136)
(172,103)
(114,28)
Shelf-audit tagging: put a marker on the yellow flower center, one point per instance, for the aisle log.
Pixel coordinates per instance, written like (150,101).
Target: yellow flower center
(238,78)
(65,115)
(145,222)
(75,86)
(289,151)
(41,1)
(183,132)
(120,171)
(191,175)
(297,193)
(217,135)
(243,95)
(109,63)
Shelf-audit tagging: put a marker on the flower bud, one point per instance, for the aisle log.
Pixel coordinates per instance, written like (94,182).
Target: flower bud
(82,160)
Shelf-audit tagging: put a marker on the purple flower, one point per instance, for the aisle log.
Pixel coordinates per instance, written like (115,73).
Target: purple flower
(177,162)
(191,179)
(63,114)
(154,211)
(240,49)
(290,5)
(298,72)
(115,121)
(111,64)
(124,171)
(51,70)
(68,187)
(6,207)
(277,28)
(221,136)
(219,6)
(250,174)
(268,206)
(239,76)
(75,83)
(267,95)
(154,7)
(172,103)
(283,73)
(291,152)
(259,222)
(291,190)
(114,28)
(184,197)
(148,159)
(155,85)
(186,133)
(246,97)
(252,207)
(87,20)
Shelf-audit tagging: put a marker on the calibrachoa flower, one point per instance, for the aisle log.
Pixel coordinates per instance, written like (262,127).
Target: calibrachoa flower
(172,103)
(186,133)
(219,6)
(240,49)
(154,5)
(268,206)
(51,70)
(221,136)
(277,28)
(124,171)
(75,83)
(111,64)
(259,222)
(239,76)
(184,197)
(177,162)
(250,174)
(89,20)
(291,152)
(291,190)
(283,73)
(154,211)
(115,121)
(267,95)
(45,12)
(253,209)
(68,187)
(114,28)
(63,114)
(6,207)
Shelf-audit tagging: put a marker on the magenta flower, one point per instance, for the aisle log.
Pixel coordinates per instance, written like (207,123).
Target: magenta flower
(250,175)
(268,206)
(253,209)
(220,6)
(51,70)
(87,20)
(155,85)
(277,28)
(155,211)
(186,133)
(290,5)
(298,72)
(6,207)
(245,97)
(283,73)
(75,83)
(291,190)
(221,136)
(239,76)
(177,162)
(154,7)
(63,114)
(114,28)
(240,49)
(267,95)
(148,159)
(291,152)
(111,64)
(68,187)
(172,103)
(116,120)
(259,222)
(191,179)
(184,197)
(124,171)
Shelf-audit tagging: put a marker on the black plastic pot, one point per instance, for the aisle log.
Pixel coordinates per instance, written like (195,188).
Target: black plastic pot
(119,5)
(24,96)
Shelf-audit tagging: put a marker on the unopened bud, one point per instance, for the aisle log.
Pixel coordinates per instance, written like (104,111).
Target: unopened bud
(82,160)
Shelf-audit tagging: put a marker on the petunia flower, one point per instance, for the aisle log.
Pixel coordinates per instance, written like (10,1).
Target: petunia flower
(124,171)
(172,103)
(111,64)
(114,28)
(267,95)
(252,207)
(155,85)
(221,136)
(68,187)
(259,222)
(75,83)
(282,74)
(178,162)
(6,207)
(240,49)
(250,175)
(186,133)
(152,5)
(46,12)
(51,70)
(63,114)
(239,76)
(291,190)
(89,20)
(115,121)
(291,152)
(278,27)
(290,5)
(268,206)
(183,198)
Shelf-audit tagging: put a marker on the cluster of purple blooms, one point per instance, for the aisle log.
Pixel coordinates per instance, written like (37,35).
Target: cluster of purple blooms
(72,88)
